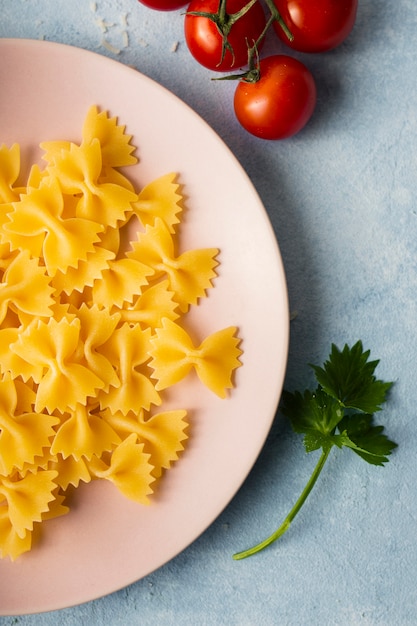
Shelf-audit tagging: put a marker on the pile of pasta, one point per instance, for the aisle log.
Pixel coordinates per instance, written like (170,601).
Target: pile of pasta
(92,329)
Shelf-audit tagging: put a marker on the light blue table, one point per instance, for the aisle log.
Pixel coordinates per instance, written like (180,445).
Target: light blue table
(342,197)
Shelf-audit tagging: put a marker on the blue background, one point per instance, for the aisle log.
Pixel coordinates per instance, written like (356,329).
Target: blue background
(341,196)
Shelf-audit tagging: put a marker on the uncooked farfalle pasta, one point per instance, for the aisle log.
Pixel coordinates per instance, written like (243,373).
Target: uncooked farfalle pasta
(92,330)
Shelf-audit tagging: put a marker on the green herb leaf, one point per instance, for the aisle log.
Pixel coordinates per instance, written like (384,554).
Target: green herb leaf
(348,376)
(311,411)
(368,440)
(339,413)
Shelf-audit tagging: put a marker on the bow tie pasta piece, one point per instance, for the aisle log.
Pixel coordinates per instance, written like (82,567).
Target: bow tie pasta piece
(121,282)
(96,328)
(38,226)
(70,471)
(90,270)
(23,436)
(11,544)
(25,288)
(116,147)
(189,275)
(163,434)
(128,350)
(53,348)
(85,274)
(174,355)
(149,309)
(12,363)
(84,435)
(160,198)
(28,498)
(78,171)
(9,172)
(129,470)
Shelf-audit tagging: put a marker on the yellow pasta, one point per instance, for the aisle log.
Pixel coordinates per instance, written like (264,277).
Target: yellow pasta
(9,172)
(155,303)
(25,288)
(116,147)
(120,282)
(162,434)
(27,498)
(23,435)
(78,170)
(97,327)
(128,351)
(84,435)
(129,469)
(90,328)
(59,368)
(160,198)
(12,545)
(189,275)
(38,225)
(70,471)
(174,355)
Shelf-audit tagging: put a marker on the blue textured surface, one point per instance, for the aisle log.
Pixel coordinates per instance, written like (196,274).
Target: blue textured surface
(342,197)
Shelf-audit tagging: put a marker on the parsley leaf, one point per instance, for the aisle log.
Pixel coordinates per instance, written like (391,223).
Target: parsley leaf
(315,411)
(339,412)
(348,376)
(368,440)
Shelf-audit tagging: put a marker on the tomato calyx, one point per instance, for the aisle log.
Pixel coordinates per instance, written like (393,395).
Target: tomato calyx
(224,22)
(252,74)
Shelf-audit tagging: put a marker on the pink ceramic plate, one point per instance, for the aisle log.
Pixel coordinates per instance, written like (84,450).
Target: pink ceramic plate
(108,542)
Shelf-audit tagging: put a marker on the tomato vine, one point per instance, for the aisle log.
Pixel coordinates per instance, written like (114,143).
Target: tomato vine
(275,96)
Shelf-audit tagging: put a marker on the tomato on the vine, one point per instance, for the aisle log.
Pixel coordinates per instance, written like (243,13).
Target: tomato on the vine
(205,39)
(280,103)
(316,25)
(164,5)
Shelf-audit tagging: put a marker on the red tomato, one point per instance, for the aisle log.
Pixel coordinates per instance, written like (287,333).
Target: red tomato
(164,5)
(280,103)
(205,41)
(316,25)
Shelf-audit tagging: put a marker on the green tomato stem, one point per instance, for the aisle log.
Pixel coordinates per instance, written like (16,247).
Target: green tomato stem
(253,61)
(277,16)
(222,11)
(291,515)
(234,17)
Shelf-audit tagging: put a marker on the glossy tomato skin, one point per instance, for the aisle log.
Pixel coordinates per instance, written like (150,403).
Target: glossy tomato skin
(280,103)
(164,5)
(316,25)
(205,42)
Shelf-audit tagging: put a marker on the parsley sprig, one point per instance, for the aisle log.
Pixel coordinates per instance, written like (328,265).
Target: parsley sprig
(340,412)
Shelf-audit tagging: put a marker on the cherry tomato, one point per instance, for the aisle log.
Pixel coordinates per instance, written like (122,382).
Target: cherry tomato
(164,5)
(316,25)
(280,103)
(205,41)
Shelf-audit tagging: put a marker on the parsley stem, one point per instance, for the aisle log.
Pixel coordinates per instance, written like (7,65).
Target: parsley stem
(297,506)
